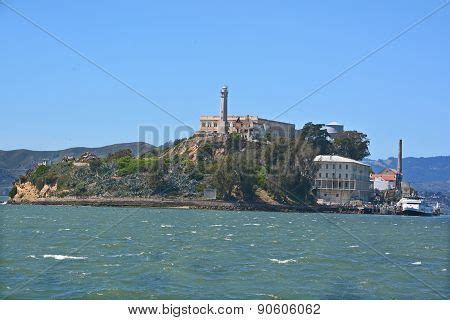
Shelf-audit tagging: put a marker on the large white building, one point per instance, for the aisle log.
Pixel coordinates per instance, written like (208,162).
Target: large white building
(340,180)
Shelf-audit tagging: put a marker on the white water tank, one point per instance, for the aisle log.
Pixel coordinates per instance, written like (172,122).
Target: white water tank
(333,128)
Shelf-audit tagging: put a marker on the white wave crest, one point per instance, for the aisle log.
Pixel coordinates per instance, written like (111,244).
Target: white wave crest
(62,257)
(283,261)
(417,263)
(126,255)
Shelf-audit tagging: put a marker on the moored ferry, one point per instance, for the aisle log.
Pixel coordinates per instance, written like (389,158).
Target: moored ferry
(414,206)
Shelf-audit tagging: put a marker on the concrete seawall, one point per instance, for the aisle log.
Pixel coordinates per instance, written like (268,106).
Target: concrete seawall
(188,204)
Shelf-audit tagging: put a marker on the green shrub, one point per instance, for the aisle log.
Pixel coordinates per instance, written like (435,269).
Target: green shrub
(261,177)
(80,189)
(129,165)
(95,164)
(196,175)
(13,192)
(51,178)
(200,187)
(39,172)
(205,152)
(39,183)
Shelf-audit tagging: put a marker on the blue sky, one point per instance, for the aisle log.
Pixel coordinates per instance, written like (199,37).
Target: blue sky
(179,54)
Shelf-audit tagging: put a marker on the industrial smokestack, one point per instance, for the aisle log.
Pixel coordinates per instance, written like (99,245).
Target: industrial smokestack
(399,175)
(400,155)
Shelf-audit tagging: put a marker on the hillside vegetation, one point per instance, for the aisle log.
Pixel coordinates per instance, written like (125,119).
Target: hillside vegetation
(15,163)
(281,170)
(271,170)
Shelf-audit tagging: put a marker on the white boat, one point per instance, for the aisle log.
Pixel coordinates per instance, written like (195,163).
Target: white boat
(437,209)
(414,206)
(4,202)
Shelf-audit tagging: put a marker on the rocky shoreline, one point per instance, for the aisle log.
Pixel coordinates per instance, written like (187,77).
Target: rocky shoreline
(186,204)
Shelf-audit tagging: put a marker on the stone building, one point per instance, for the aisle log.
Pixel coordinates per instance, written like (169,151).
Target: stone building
(249,126)
(340,180)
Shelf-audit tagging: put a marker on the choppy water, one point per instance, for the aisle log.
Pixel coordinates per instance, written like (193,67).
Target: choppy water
(129,253)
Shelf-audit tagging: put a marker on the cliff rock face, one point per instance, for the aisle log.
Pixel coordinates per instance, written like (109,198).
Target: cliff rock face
(47,190)
(26,192)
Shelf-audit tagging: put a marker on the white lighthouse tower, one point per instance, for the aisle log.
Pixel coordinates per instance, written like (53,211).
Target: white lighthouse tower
(223,122)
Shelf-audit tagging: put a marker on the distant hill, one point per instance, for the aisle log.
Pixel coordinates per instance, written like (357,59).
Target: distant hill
(425,174)
(15,163)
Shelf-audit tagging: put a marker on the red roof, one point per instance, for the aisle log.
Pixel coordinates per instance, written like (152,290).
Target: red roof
(384,176)
(388,171)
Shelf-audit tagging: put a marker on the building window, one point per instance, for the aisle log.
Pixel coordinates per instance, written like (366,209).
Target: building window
(215,124)
(203,124)
(340,166)
(320,175)
(326,166)
(333,174)
(337,195)
(334,166)
(326,175)
(346,167)
(339,175)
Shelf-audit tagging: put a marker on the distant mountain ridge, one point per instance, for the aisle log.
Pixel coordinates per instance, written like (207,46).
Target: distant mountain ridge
(425,174)
(15,163)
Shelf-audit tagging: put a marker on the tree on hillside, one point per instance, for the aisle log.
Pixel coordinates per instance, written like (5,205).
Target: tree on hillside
(236,173)
(225,177)
(317,138)
(293,176)
(351,144)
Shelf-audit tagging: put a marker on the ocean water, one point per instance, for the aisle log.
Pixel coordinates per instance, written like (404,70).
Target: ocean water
(61,252)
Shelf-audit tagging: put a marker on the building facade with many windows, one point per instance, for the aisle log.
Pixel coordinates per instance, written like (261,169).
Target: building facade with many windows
(251,126)
(340,180)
